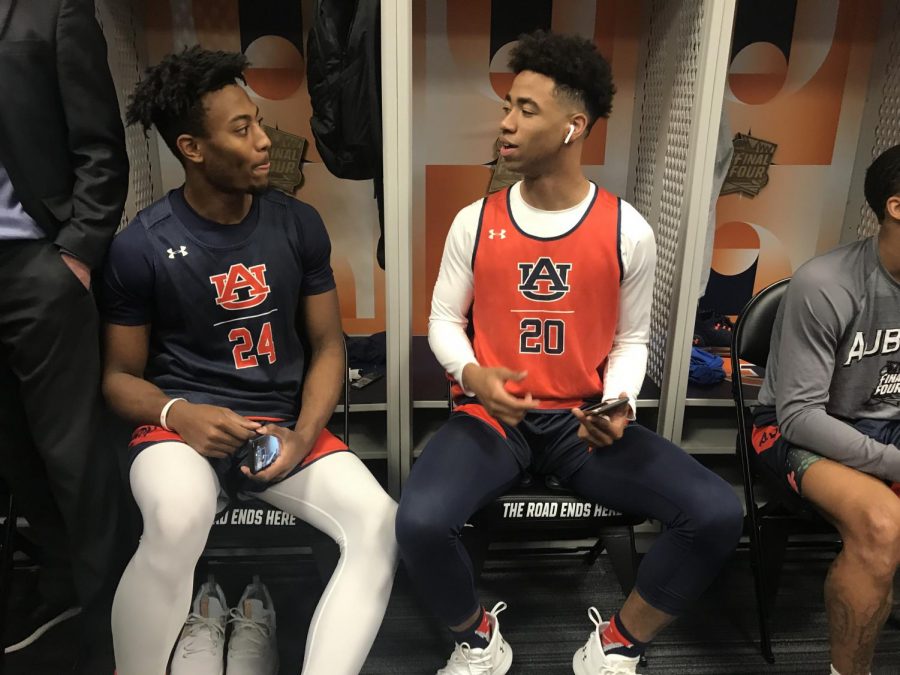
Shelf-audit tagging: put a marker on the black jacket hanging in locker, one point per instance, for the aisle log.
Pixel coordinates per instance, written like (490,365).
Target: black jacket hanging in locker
(343,70)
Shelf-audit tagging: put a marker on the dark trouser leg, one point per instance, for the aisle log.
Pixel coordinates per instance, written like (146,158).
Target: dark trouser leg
(464,466)
(645,474)
(49,337)
(23,472)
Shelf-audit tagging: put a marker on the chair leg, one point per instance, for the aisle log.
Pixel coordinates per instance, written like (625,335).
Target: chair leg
(774,545)
(619,544)
(762,595)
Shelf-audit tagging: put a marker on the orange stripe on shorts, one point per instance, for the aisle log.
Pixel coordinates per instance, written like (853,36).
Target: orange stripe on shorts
(477,410)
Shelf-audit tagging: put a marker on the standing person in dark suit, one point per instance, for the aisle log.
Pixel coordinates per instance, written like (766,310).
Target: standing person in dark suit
(63,182)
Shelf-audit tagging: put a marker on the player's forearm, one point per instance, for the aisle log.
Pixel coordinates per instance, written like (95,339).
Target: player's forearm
(451,346)
(321,388)
(134,398)
(625,368)
(816,430)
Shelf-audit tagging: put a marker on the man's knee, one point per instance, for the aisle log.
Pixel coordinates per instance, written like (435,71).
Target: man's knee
(874,535)
(419,528)
(177,532)
(377,523)
(718,518)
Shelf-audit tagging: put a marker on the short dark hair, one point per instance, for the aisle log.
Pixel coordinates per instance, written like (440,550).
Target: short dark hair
(170,94)
(573,63)
(883,180)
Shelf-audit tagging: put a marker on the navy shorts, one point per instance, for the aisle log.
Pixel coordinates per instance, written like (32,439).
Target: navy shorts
(790,462)
(545,442)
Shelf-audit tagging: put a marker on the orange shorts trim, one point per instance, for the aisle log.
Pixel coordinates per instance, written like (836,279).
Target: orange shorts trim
(326,444)
(478,410)
(153,433)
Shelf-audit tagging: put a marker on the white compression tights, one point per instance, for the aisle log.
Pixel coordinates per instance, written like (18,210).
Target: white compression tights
(176,489)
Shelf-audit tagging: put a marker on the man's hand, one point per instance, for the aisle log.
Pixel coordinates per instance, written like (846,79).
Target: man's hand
(79,269)
(210,430)
(295,446)
(602,430)
(488,385)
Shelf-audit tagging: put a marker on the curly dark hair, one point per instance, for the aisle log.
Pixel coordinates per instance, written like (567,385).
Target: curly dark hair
(883,180)
(579,70)
(170,94)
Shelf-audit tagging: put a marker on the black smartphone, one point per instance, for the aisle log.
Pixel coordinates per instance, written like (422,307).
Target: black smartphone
(603,408)
(261,452)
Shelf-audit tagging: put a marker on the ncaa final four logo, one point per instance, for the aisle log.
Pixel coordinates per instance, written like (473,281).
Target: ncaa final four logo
(888,388)
(286,157)
(749,170)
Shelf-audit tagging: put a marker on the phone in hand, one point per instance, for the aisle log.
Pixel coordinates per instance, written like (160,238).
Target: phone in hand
(261,452)
(603,408)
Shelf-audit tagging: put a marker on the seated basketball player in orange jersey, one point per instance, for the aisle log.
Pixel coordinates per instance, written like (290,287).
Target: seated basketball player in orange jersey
(558,275)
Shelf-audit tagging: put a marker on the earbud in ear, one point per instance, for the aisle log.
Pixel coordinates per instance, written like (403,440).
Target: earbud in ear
(569,135)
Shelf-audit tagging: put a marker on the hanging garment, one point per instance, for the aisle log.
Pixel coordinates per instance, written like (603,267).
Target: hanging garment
(343,71)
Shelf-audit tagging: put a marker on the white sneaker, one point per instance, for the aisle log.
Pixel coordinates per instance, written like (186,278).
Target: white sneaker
(201,647)
(590,659)
(495,659)
(252,649)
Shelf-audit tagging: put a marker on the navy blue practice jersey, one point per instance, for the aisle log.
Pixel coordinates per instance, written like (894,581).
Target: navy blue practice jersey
(221,300)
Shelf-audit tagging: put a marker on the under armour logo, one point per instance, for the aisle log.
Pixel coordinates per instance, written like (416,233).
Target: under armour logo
(494,233)
(182,251)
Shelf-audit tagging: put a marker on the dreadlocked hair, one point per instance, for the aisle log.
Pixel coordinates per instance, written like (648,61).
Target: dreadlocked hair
(170,95)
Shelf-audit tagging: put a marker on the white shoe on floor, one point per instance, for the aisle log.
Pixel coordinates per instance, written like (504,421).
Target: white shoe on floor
(495,659)
(252,649)
(201,647)
(590,659)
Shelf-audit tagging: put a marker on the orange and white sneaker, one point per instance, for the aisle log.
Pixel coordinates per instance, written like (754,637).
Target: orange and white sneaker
(495,659)
(591,660)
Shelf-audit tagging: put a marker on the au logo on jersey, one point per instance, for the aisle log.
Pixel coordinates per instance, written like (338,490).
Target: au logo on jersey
(544,280)
(241,287)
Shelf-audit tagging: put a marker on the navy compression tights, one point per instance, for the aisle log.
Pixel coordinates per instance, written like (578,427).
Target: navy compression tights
(467,464)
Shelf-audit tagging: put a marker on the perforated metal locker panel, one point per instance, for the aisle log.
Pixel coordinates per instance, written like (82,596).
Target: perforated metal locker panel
(887,128)
(121,22)
(669,75)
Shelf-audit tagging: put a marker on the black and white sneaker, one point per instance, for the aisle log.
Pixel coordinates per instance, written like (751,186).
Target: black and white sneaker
(26,630)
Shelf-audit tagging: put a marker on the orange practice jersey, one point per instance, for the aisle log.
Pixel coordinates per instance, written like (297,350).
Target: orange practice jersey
(548,306)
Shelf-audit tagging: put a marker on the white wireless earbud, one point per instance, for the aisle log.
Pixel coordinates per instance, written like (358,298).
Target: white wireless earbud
(569,135)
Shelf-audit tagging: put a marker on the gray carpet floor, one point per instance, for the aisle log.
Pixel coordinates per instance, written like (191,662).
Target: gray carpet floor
(547,621)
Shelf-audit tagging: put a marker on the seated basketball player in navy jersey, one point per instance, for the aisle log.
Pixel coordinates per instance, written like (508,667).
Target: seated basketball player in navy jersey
(204,293)
(558,275)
